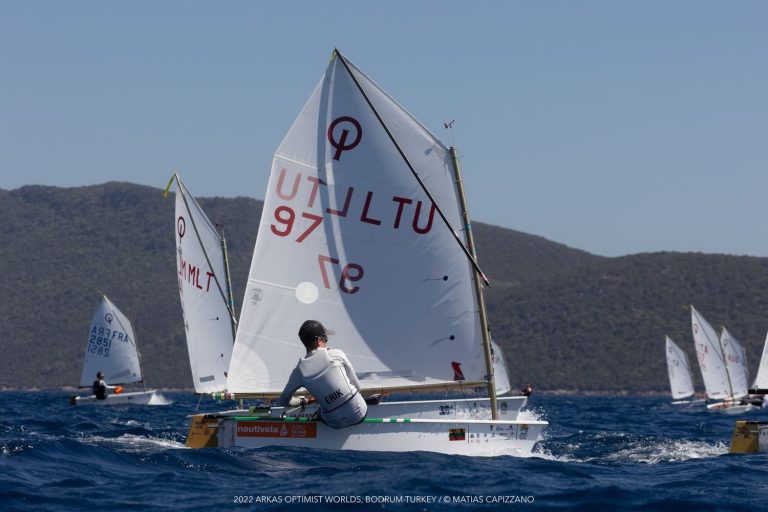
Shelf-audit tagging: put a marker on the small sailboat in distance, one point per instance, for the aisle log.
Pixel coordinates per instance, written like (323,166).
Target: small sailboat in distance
(760,386)
(713,353)
(679,370)
(112,350)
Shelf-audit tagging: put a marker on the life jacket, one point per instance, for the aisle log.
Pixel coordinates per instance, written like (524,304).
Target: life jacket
(326,380)
(100,389)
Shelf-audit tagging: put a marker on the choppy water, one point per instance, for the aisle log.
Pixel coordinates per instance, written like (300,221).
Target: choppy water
(600,453)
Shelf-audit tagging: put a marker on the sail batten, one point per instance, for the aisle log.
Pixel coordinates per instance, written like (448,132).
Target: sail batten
(349,237)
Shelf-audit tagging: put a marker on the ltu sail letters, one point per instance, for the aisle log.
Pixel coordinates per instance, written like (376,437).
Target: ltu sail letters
(394,212)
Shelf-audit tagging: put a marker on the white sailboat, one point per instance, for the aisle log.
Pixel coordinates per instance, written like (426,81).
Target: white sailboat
(712,357)
(736,363)
(760,386)
(679,370)
(356,231)
(112,349)
(205,292)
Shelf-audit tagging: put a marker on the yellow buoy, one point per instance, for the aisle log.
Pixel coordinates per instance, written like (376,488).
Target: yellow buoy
(746,437)
(203,431)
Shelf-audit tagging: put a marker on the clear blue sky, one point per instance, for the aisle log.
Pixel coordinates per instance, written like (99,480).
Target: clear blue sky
(610,126)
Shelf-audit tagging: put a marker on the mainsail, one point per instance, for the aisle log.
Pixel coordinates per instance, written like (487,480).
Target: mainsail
(111,348)
(761,379)
(679,370)
(349,237)
(204,291)
(710,356)
(736,364)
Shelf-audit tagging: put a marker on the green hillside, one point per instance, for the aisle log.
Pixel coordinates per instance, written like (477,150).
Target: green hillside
(565,318)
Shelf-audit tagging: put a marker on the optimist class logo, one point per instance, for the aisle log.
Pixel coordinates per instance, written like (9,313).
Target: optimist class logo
(341,144)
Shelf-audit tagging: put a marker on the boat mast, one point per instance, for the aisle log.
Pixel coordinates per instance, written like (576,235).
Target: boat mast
(477,285)
(231,300)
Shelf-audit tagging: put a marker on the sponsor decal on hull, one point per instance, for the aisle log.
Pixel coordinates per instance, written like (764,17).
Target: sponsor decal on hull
(500,433)
(276,429)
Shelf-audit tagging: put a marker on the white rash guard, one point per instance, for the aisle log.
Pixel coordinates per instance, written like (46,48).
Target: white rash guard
(329,377)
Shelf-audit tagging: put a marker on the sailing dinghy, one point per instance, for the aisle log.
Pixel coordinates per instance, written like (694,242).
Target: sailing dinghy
(205,292)
(679,370)
(112,350)
(357,232)
(760,386)
(721,369)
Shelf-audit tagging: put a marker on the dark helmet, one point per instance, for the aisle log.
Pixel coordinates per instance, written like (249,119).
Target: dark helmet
(100,375)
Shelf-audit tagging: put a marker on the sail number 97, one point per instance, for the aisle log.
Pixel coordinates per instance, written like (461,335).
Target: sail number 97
(350,273)
(285,217)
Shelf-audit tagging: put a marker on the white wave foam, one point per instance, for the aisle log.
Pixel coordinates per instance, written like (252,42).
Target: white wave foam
(158,399)
(667,451)
(531,415)
(134,443)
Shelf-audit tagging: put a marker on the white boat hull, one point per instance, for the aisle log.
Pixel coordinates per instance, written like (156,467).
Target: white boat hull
(731,407)
(131,398)
(482,438)
(689,402)
(458,427)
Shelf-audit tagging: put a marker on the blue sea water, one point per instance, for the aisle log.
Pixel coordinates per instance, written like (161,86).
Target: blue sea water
(599,453)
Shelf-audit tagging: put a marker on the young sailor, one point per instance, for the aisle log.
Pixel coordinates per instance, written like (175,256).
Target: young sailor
(100,386)
(328,376)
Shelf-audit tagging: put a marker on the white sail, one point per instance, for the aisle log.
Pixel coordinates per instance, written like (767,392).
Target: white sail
(710,356)
(761,379)
(349,238)
(204,292)
(679,370)
(736,364)
(500,372)
(111,348)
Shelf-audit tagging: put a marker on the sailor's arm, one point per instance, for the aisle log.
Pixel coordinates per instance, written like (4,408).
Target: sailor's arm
(294,382)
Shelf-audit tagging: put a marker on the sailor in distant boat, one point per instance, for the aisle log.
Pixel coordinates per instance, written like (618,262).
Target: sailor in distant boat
(100,386)
(527,390)
(328,375)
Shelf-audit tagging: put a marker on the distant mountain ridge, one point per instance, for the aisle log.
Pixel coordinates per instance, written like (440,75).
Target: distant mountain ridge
(566,319)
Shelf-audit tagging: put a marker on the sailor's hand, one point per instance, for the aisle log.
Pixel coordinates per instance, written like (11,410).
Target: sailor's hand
(118,390)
